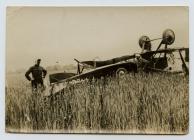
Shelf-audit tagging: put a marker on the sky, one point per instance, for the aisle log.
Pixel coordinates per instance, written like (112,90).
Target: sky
(60,34)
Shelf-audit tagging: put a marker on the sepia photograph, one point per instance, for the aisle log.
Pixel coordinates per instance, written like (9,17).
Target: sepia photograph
(97,69)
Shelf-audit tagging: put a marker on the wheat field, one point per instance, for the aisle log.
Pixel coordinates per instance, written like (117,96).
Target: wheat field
(140,103)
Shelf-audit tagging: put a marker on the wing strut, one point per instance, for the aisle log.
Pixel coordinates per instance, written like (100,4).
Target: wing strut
(183,63)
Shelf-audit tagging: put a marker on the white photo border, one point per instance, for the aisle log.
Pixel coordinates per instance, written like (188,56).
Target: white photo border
(5,3)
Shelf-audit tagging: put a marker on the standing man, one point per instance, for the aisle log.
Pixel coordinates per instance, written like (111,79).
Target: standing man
(38,73)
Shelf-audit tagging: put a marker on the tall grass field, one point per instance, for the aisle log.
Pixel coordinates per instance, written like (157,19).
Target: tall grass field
(137,103)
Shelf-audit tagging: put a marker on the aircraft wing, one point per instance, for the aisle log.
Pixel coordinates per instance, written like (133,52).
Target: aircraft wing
(108,62)
(168,50)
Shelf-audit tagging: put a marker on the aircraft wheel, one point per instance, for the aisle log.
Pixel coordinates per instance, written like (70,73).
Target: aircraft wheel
(168,37)
(120,72)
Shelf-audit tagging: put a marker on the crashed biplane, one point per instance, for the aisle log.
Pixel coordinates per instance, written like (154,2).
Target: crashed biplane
(160,60)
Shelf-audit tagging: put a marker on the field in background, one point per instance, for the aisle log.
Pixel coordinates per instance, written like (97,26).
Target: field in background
(141,103)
